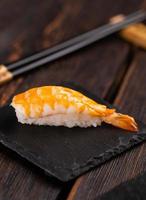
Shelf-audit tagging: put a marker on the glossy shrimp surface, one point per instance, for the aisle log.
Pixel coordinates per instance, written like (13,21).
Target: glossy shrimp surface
(49,100)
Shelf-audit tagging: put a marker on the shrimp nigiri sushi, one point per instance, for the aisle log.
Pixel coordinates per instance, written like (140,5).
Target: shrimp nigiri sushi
(61,106)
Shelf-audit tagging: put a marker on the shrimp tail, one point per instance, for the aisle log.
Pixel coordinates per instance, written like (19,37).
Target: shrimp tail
(122,121)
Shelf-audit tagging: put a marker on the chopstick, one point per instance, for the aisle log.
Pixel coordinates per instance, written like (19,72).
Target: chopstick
(134,16)
(67,47)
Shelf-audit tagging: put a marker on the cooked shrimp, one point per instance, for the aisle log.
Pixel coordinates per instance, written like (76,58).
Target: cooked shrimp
(56,105)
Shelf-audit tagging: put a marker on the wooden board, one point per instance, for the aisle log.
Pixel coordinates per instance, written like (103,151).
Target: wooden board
(45,24)
(136,186)
(131,99)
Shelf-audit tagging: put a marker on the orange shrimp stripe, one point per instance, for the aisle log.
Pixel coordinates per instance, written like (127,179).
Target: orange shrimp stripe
(52,95)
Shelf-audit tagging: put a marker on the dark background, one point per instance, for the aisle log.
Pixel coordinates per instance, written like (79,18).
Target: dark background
(112,68)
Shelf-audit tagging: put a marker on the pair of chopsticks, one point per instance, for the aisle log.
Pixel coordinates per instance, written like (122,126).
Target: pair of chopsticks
(12,70)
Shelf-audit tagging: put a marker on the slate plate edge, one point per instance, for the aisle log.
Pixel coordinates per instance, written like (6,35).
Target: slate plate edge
(107,155)
(89,164)
(27,155)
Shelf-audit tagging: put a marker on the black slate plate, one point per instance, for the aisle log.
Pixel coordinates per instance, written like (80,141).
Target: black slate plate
(62,152)
(135,189)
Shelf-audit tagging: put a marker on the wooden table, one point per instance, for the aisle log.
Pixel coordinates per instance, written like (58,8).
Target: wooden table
(111,68)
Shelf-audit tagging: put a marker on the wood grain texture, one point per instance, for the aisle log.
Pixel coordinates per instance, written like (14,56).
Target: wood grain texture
(131,99)
(29,26)
(68,70)
(45,24)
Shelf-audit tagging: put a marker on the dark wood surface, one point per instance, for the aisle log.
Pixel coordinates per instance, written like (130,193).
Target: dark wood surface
(131,163)
(112,68)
